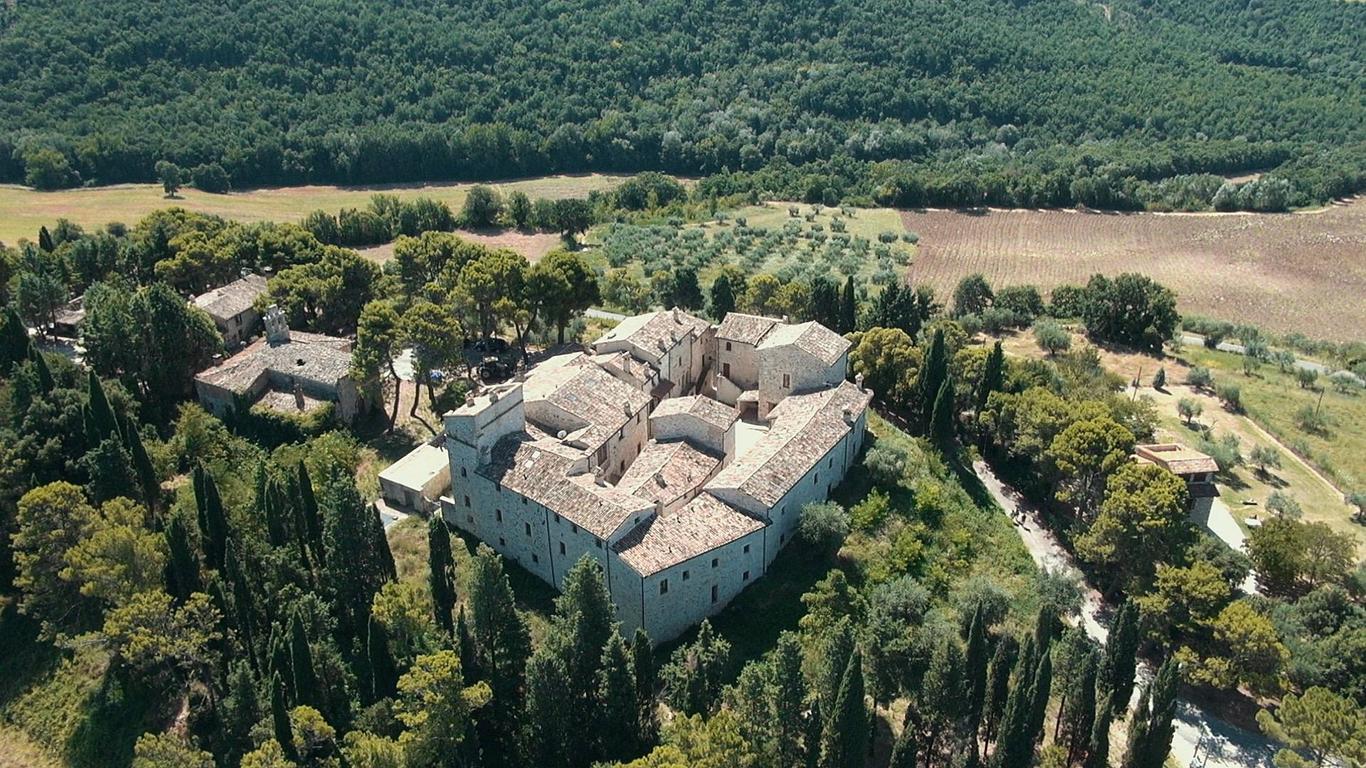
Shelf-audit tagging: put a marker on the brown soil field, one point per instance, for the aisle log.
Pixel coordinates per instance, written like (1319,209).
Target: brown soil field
(1293,272)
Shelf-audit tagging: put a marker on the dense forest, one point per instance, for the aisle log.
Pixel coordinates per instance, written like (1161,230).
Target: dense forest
(1121,105)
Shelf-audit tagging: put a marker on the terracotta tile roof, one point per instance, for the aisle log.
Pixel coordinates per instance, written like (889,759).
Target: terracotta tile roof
(746,329)
(309,356)
(702,525)
(705,409)
(232,299)
(666,472)
(654,333)
(1177,458)
(575,385)
(803,430)
(813,338)
(540,468)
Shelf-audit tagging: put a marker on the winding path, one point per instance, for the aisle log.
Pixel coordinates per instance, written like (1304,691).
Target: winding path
(1201,739)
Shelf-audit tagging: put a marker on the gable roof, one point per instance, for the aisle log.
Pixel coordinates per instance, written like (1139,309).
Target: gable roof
(309,356)
(746,329)
(803,430)
(577,386)
(666,472)
(232,299)
(654,333)
(705,409)
(664,541)
(811,337)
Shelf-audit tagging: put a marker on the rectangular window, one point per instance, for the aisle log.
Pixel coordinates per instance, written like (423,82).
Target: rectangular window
(725,368)
(502,542)
(535,558)
(713,594)
(574,527)
(830,463)
(462,472)
(562,547)
(816,479)
(528,528)
(685,575)
(524,501)
(787,380)
(664,587)
(469,518)
(747,549)
(498,515)
(728,346)
(598,542)
(745,577)
(557,518)
(498,487)
(715,562)
(621,465)
(467,501)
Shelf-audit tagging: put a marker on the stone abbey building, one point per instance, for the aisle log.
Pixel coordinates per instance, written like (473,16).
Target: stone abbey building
(676,453)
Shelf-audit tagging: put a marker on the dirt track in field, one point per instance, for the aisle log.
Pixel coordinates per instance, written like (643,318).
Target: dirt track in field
(1294,272)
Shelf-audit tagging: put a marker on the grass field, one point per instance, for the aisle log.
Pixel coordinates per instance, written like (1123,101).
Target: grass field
(1299,272)
(1271,399)
(23,210)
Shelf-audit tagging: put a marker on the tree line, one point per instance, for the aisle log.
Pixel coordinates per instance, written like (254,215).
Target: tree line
(917,123)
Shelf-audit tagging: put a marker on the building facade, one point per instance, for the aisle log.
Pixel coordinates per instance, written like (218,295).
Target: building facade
(648,475)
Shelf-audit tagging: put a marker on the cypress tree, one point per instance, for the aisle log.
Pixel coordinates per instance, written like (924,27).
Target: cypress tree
(243,603)
(306,690)
(583,623)
(616,726)
(279,718)
(142,465)
(839,645)
(182,566)
(40,367)
(15,344)
(1015,746)
(1045,622)
(975,673)
(993,376)
(998,686)
(1098,746)
(102,419)
(551,716)
(213,520)
(942,423)
(931,378)
(45,243)
(904,749)
(269,507)
(722,296)
(351,566)
(643,670)
(941,693)
(441,572)
(379,543)
(465,646)
(844,742)
(789,699)
(280,664)
(848,308)
(1121,656)
(308,506)
(383,671)
(1151,728)
(1038,696)
(502,645)
(1081,706)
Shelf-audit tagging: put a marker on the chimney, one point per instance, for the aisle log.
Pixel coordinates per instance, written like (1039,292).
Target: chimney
(858,380)
(848,415)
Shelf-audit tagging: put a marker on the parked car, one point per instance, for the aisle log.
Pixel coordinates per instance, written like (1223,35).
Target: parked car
(493,370)
(491,345)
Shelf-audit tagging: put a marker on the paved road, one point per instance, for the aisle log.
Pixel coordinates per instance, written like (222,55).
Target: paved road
(1201,739)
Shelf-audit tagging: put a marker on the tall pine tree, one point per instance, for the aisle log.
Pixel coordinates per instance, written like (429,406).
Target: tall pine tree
(993,376)
(305,688)
(789,699)
(848,308)
(182,564)
(383,670)
(551,714)
(943,425)
(1120,660)
(616,724)
(998,686)
(502,645)
(933,371)
(279,717)
(975,662)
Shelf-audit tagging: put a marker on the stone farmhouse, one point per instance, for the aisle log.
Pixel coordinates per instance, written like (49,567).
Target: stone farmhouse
(233,309)
(288,371)
(629,453)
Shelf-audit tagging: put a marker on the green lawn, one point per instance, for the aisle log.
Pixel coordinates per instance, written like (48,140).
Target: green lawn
(1272,398)
(25,210)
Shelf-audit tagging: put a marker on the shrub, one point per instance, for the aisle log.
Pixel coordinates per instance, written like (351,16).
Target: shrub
(869,514)
(1024,300)
(824,524)
(1199,377)
(1309,419)
(1052,338)
(1067,301)
(998,319)
(1306,377)
(1226,452)
(1344,382)
(1160,378)
(1283,505)
(886,464)
(1189,409)
(210,177)
(1231,396)
(1265,457)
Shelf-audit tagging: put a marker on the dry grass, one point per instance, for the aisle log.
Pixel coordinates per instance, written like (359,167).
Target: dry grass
(1296,272)
(23,210)
(1243,490)
(532,245)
